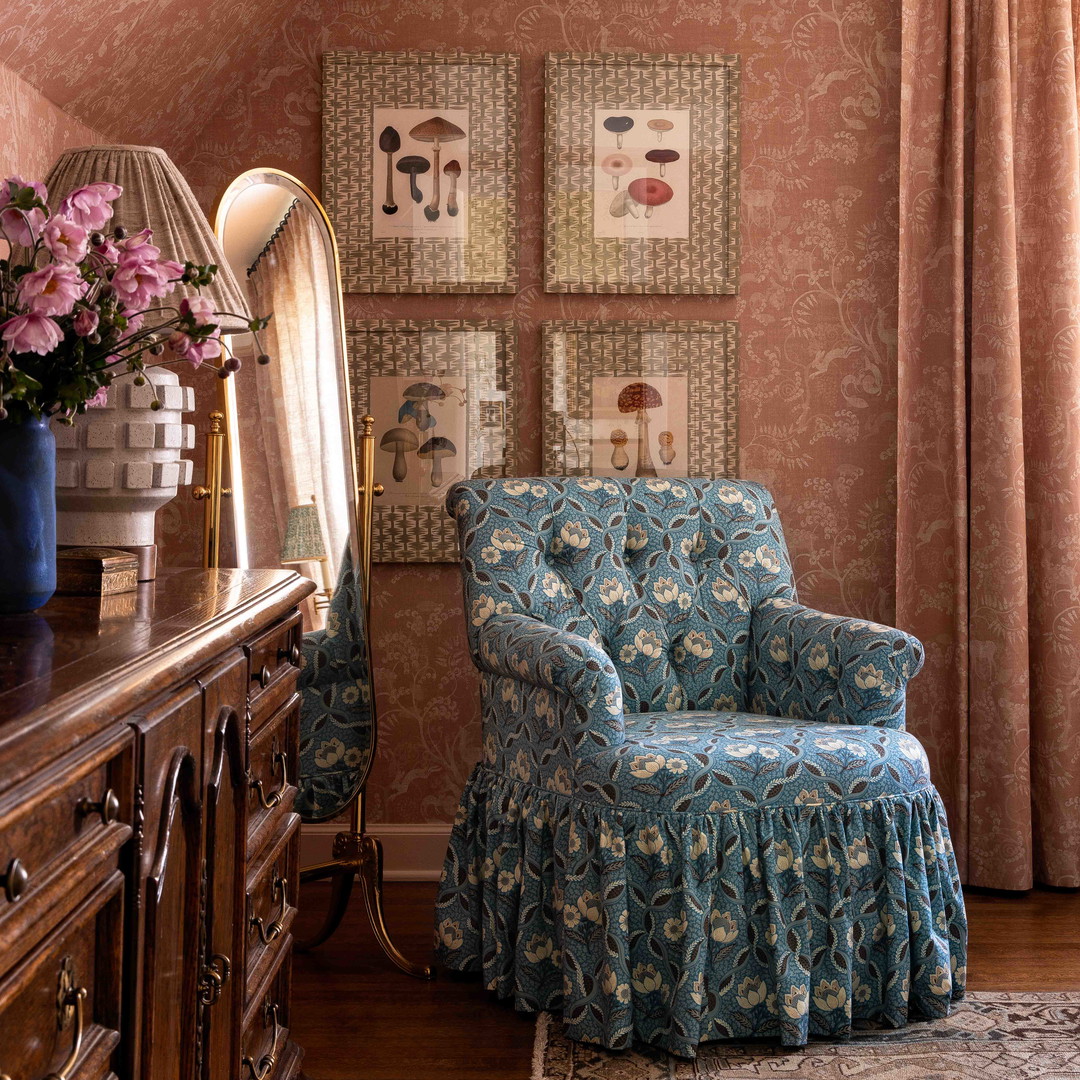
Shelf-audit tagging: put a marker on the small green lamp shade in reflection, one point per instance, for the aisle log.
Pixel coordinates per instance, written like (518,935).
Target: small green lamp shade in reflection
(303,535)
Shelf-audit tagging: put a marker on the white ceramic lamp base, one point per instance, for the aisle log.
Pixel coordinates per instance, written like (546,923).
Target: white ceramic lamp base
(116,466)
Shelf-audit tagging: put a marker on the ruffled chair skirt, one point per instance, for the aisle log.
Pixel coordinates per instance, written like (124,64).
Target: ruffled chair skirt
(678,928)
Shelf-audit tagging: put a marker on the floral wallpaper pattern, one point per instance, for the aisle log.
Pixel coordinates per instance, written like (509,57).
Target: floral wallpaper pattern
(817,307)
(988,566)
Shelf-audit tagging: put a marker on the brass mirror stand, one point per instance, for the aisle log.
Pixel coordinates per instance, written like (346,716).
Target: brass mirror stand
(357,853)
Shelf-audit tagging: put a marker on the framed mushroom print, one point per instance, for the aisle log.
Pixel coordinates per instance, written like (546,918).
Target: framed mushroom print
(642,181)
(641,398)
(420,170)
(442,395)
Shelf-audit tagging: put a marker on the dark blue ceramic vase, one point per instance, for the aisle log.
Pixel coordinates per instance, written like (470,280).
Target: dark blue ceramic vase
(27,515)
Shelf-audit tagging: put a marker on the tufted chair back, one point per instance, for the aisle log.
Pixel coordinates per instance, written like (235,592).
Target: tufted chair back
(661,574)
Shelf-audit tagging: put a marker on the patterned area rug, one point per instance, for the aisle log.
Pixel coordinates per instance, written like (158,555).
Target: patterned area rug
(990,1036)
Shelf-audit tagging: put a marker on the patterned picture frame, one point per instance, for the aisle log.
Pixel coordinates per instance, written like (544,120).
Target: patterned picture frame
(616,393)
(473,251)
(683,237)
(472,366)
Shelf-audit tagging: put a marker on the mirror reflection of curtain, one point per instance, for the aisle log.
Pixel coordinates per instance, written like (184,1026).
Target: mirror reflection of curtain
(298,391)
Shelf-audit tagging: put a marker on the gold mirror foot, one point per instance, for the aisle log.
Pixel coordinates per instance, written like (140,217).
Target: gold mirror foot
(371,884)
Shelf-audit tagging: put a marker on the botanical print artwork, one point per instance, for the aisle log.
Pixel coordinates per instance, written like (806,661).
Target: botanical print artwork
(642,179)
(441,393)
(640,427)
(420,437)
(641,173)
(421,171)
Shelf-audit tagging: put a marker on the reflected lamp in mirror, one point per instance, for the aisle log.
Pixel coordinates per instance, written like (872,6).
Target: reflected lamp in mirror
(304,543)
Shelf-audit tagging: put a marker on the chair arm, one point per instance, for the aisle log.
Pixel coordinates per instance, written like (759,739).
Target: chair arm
(814,666)
(580,673)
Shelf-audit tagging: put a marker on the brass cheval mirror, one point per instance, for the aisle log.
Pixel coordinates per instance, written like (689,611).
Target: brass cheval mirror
(302,498)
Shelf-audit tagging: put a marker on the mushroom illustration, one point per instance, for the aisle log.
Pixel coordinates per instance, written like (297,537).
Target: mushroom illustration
(619,439)
(623,204)
(660,126)
(399,441)
(389,144)
(436,448)
(650,193)
(667,447)
(616,165)
(436,131)
(416,398)
(453,170)
(638,398)
(663,158)
(413,166)
(619,125)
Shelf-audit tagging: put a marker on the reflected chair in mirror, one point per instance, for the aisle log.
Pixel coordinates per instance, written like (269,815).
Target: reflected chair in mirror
(698,815)
(302,493)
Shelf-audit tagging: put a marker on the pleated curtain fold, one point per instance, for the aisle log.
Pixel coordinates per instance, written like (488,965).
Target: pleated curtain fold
(988,544)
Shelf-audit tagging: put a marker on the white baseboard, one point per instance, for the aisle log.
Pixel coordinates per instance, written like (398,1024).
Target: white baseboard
(410,852)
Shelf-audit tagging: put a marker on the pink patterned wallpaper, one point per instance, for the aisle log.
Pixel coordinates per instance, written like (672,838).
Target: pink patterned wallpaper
(817,308)
(33,131)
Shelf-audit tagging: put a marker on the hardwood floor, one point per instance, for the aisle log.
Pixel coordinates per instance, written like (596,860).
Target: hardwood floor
(358,1018)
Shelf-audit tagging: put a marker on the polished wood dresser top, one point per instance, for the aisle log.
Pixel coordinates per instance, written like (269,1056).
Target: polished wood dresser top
(149,850)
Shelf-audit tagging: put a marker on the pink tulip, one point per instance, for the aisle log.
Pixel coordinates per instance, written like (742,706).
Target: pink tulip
(91,206)
(65,240)
(199,308)
(52,290)
(31,333)
(86,321)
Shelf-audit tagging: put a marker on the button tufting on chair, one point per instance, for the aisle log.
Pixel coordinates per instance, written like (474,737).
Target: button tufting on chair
(698,815)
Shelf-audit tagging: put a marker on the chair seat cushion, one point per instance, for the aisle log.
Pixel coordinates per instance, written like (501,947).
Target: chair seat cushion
(718,762)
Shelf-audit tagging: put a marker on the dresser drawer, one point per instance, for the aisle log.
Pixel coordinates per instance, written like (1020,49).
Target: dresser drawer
(60,1008)
(60,832)
(273,657)
(266,1050)
(272,772)
(272,893)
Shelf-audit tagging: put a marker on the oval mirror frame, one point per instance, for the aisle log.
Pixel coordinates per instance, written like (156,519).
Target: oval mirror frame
(288,193)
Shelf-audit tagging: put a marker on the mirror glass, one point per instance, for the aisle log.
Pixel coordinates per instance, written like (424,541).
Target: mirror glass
(292,465)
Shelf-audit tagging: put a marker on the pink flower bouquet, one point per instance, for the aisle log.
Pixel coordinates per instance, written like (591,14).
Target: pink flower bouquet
(73,301)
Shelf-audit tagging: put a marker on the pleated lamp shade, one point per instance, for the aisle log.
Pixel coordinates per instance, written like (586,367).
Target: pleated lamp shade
(157,196)
(303,535)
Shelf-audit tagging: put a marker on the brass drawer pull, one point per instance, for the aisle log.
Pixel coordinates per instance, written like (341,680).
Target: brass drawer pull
(214,977)
(291,654)
(108,807)
(274,930)
(262,677)
(269,1061)
(14,880)
(280,765)
(74,997)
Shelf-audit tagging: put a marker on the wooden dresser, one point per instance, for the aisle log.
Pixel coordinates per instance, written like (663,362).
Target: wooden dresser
(148,846)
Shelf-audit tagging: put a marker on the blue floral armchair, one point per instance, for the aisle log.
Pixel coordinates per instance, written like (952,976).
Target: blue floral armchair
(698,814)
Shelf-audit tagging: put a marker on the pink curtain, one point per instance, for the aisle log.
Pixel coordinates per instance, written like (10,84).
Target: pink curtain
(988,544)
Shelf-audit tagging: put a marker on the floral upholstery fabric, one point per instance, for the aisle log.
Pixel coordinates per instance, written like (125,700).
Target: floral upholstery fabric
(698,815)
(335,705)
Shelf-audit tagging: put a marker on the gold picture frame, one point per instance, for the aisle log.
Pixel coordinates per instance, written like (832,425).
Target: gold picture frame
(420,170)
(641,398)
(641,180)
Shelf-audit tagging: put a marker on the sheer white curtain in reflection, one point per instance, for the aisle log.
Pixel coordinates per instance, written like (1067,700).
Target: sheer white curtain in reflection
(298,391)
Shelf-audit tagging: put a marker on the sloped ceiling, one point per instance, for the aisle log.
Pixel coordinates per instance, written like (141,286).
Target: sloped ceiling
(139,71)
